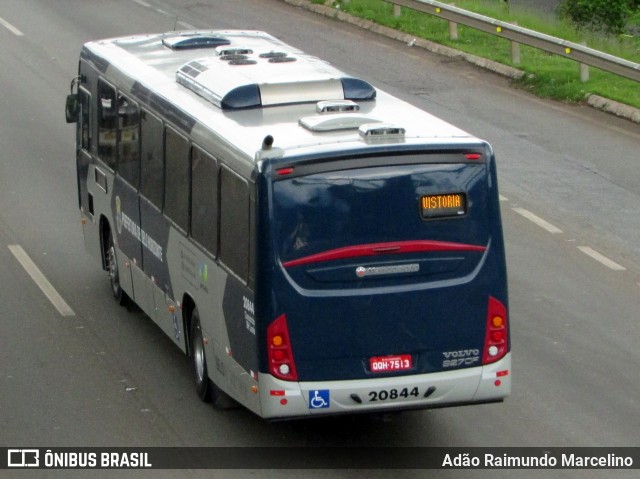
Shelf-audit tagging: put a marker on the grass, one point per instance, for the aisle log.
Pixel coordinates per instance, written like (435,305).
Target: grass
(551,76)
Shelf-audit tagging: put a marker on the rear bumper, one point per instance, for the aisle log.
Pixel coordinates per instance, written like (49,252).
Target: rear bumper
(283,399)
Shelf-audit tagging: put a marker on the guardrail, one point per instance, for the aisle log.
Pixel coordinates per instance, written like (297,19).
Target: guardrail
(574,51)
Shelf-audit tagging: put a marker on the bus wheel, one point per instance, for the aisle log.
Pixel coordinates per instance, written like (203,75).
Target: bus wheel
(205,387)
(114,274)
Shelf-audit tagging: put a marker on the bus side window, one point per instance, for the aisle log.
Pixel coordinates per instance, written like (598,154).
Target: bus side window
(85,119)
(151,154)
(178,170)
(204,200)
(234,223)
(107,123)
(129,140)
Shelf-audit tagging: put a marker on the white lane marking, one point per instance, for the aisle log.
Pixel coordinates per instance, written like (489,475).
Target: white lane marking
(41,281)
(601,258)
(537,220)
(186,25)
(503,198)
(10,27)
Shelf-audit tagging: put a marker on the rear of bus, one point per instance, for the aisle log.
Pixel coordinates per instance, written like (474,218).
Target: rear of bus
(384,282)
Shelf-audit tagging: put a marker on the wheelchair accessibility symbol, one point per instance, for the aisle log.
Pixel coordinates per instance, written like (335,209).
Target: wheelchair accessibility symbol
(319,399)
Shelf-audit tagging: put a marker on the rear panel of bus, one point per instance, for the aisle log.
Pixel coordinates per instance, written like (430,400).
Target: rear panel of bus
(384,280)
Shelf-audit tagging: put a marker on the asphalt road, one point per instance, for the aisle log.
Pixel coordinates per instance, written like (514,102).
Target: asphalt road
(105,376)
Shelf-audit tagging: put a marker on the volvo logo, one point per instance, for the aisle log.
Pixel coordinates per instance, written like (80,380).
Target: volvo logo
(362,272)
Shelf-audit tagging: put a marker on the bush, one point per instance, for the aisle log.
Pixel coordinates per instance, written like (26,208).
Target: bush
(608,16)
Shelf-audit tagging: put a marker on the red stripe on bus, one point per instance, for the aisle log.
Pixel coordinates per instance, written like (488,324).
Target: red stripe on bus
(376,249)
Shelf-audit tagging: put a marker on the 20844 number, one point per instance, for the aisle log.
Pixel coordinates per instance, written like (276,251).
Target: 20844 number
(392,394)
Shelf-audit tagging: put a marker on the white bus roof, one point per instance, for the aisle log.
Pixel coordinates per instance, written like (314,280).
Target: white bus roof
(247,85)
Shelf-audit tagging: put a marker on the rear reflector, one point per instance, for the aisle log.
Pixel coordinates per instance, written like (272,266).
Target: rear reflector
(496,342)
(279,352)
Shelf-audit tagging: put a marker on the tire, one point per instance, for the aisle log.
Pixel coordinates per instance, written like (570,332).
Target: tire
(198,359)
(114,273)
(205,387)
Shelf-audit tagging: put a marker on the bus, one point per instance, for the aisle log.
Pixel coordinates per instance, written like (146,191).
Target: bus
(313,244)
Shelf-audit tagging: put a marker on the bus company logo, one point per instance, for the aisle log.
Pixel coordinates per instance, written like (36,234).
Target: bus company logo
(23,458)
(203,270)
(362,272)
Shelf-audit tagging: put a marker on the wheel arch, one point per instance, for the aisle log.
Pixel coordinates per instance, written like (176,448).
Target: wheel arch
(105,231)
(188,306)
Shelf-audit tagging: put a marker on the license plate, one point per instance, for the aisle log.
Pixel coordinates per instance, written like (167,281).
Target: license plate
(385,364)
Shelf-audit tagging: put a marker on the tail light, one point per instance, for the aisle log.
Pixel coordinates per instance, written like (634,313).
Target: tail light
(280,355)
(496,342)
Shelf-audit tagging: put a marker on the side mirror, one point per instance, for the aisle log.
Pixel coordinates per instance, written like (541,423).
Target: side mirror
(71,108)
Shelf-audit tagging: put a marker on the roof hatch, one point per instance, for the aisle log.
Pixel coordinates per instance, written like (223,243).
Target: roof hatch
(226,50)
(188,41)
(381,131)
(333,106)
(336,121)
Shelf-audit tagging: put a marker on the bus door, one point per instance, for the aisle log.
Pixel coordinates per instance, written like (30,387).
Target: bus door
(150,204)
(388,269)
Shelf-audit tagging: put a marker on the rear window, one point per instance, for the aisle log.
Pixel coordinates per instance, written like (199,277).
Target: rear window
(324,211)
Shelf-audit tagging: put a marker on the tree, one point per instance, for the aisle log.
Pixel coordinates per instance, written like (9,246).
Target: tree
(609,16)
